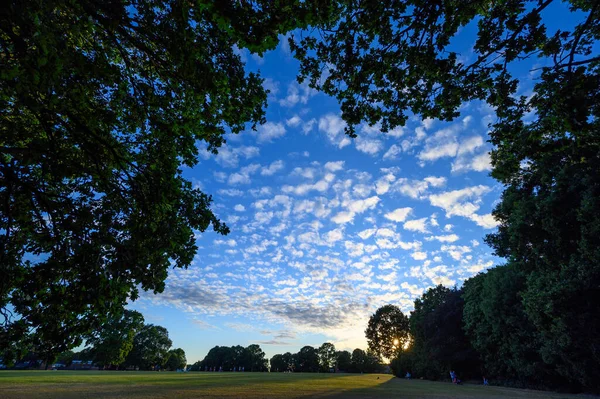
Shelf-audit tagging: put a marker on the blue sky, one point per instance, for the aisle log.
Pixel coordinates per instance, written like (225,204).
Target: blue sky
(324,228)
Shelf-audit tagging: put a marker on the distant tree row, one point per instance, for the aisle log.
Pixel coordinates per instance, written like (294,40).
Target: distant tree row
(226,358)
(124,341)
(326,359)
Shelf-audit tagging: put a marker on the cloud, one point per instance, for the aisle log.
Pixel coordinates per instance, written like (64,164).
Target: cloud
(444,238)
(478,163)
(435,181)
(419,255)
(416,225)
(366,233)
(239,208)
(398,215)
(368,145)
(334,166)
(343,217)
(229,157)
(297,93)
(464,202)
(333,126)
(308,126)
(273,168)
(293,121)
(445,143)
(243,176)
(269,131)
(392,152)
(360,206)
(271,85)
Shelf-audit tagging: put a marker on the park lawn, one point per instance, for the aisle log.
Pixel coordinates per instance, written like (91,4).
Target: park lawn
(121,384)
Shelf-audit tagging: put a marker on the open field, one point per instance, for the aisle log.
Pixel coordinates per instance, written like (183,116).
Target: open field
(119,384)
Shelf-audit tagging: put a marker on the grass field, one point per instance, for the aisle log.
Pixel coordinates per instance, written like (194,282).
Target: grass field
(117,384)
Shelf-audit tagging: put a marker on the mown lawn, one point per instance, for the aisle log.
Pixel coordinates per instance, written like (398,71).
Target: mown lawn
(120,384)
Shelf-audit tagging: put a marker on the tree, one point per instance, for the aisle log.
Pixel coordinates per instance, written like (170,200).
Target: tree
(66,358)
(387,331)
(277,364)
(257,359)
(359,360)
(372,362)
(114,340)
(150,348)
(101,107)
(175,359)
(438,342)
(343,361)
(327,356)
(500,330)
(307,360)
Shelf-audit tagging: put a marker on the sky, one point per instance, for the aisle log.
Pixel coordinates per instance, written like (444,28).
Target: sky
(325,229)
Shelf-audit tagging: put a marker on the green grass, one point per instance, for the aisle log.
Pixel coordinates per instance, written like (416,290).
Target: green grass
(119,384)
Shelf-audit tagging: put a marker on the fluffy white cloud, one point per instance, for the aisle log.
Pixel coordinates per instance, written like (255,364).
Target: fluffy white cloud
(392,152)
(398,215)
(464,202)
(229,157)
(334,166)
(478,163)
(239,208)
(297,93)
(272,169)
(333,127)
(366,233)
(419,225)
(270,131)
(293,121)
(343,217)
(368,145)
(243,176)
(435,181)
(444,238)
(360,206)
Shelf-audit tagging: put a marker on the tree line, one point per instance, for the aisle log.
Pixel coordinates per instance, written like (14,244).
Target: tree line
(326,359)
(233,358)
(124,342)
(482,329)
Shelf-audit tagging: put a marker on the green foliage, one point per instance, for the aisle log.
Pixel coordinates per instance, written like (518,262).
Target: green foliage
(150,348)
(307,360)
(438,341)
(500,330)
(282,363)
(327,356)
(175,359)
(101,105)
(66,358)
(388,331)
(256,358)
(114,340)
(359,360)
(343,361)
(252,358)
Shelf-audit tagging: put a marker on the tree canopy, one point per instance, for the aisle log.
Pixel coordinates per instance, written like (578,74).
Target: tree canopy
(150,348)
(101,105)
(114,340)
(388,331)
